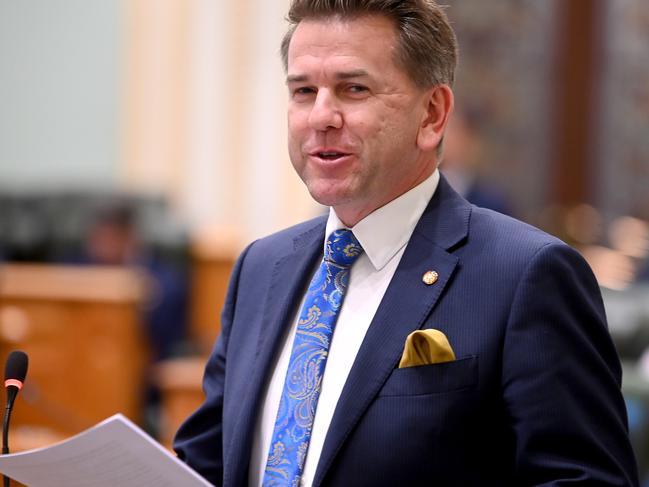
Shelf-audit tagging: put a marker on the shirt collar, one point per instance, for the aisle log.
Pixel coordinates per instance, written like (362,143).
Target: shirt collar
(385,231)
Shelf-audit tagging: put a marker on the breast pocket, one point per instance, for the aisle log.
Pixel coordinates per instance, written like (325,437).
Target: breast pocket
(433,379)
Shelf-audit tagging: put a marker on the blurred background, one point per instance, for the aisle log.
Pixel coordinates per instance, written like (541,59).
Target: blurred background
(142,145)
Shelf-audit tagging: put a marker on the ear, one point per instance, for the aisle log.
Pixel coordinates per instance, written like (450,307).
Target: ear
(439,105)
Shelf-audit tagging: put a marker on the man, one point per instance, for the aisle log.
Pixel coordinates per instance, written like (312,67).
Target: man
(532,397)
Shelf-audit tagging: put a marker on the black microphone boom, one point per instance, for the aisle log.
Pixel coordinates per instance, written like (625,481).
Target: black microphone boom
(15,372)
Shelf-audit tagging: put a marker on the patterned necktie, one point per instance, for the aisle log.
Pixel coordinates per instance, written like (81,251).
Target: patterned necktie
(315,328)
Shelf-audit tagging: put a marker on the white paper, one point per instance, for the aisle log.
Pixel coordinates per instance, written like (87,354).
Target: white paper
(113,453)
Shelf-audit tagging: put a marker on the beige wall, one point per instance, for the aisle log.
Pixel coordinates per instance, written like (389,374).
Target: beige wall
(204,114)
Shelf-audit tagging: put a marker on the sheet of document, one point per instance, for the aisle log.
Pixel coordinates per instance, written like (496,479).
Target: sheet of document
(113,453)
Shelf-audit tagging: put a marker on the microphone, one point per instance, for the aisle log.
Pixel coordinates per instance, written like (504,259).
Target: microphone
(15,372)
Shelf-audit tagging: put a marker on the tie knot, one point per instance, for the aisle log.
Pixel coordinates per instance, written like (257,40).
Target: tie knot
(342,248)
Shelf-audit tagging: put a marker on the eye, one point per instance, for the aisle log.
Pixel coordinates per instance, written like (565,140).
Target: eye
(302,92)
(358,89)
(357,92)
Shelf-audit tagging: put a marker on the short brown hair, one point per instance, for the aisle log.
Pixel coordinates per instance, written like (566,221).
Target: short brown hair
(427,47)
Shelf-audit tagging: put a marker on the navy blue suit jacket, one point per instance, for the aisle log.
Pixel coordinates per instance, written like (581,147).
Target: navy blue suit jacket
(532,399)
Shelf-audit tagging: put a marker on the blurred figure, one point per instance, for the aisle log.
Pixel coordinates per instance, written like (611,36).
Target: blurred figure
(112,239)
(460,164)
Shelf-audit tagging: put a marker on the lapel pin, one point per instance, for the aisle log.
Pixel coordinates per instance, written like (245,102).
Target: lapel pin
(430,278)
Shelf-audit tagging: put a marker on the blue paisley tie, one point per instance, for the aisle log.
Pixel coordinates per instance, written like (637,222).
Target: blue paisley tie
(315,328)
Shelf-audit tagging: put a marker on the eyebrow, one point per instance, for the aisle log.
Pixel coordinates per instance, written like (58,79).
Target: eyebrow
(342,75)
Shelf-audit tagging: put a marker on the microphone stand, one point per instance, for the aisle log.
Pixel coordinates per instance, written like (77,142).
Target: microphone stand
(5,436)
(12,391)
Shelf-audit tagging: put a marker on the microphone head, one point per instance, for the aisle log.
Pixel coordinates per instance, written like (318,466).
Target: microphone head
(16,367)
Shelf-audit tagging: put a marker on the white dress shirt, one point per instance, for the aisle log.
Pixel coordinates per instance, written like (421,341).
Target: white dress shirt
(383,235)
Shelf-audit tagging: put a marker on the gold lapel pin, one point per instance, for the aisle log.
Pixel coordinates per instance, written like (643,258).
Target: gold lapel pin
(430,278)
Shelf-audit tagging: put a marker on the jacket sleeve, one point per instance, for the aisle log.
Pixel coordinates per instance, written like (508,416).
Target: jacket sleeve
(561,378)
(199,441)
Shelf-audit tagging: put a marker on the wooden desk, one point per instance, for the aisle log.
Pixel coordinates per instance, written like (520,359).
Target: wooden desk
(82,331)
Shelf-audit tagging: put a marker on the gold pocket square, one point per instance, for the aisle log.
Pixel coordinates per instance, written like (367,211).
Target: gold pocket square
(425,347)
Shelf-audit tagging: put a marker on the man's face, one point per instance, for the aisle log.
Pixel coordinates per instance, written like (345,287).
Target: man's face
(354,115)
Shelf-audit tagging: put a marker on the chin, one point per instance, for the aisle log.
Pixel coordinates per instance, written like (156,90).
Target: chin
(324,199)
(328,196)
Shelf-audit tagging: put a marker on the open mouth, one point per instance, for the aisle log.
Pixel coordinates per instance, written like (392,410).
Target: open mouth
(330,155)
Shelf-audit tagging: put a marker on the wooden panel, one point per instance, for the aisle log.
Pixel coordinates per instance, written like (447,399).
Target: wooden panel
(180,384)
(81,328)
(578,52)
(210,277)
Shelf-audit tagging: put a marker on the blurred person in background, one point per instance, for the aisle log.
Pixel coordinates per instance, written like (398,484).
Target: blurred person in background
(469,349)
(113,239)
(461,164)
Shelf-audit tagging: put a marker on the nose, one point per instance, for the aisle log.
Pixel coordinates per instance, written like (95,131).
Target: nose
(325,112)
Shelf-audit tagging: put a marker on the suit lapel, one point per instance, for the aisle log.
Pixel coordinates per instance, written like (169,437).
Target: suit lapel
(283,294)
(404,308)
